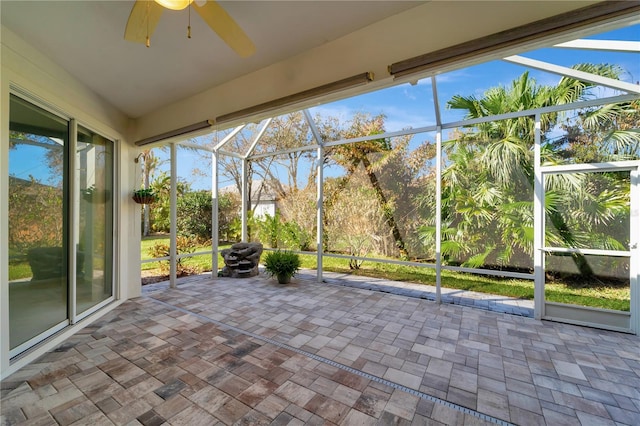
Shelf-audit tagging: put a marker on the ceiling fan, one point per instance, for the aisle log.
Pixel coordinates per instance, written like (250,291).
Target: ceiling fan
(146,14)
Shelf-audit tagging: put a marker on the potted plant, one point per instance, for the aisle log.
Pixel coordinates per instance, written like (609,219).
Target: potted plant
(144,196)
(283,264)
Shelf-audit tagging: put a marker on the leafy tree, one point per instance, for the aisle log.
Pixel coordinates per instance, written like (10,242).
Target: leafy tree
(355,224)
(228,214)
(298,210)
(285,132)
(373,155)
(194,215)
(35,214)
(160,210)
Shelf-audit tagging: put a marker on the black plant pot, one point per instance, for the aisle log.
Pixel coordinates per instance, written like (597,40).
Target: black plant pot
(284,278)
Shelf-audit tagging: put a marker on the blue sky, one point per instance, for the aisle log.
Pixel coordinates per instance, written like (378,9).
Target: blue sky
(404,105)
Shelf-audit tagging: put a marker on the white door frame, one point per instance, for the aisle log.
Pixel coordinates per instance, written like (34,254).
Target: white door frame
(601,318)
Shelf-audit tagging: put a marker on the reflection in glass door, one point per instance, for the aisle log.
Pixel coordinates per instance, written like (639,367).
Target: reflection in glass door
(93,229)
(588,246)
(38,249)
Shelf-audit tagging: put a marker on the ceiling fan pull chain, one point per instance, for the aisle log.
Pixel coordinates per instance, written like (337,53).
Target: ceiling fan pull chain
(189,26)
(148,41)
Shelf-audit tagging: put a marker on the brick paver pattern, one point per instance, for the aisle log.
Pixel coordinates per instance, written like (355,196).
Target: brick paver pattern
(153,364)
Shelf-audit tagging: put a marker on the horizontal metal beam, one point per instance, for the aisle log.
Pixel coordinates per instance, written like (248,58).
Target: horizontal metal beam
(591,167)
(544,110)
(284,151)
(230,154)
(592,252)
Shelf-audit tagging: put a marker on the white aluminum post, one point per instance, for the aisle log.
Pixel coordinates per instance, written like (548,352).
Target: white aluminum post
(215,231)
(438,237)
(320,193)
(173,214)
(634,260)
(74,217)
(538,225)
(245,174)
(439,216)
(320,212)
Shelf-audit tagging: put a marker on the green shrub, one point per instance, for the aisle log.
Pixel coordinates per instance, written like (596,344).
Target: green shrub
(295,237)
(183,245)
(269,229)
(281,263)
(194,215)
(229,223)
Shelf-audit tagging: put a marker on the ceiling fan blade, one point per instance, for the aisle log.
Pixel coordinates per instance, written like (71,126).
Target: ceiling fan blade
(224,25)
(143,11)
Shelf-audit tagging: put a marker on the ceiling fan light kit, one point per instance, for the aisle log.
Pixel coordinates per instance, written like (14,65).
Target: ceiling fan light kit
(174,4)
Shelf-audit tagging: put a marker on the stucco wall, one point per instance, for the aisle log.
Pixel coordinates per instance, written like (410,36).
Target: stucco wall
(25,70)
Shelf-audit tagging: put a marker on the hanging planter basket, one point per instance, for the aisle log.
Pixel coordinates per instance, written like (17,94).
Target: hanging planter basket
(144,197)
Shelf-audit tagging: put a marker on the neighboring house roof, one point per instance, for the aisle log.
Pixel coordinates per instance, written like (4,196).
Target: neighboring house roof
(260,191)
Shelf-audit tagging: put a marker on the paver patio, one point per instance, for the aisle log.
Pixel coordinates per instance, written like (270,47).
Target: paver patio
(251,351)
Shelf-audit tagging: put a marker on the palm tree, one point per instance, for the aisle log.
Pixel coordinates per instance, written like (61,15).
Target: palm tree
(150,163)
(487,186)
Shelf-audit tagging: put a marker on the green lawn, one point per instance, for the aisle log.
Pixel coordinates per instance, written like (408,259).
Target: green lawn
(616,298)
(600,297)
(200,263)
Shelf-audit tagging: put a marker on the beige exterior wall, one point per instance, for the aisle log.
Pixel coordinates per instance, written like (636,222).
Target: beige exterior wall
(27,71)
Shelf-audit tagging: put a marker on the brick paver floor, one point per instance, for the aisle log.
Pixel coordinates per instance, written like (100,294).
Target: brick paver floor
(250,351)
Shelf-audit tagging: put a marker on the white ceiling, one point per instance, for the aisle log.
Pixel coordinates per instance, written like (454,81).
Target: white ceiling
(86,38)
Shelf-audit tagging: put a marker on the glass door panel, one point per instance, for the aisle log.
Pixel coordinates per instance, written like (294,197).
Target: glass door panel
(94,229)
(38,249)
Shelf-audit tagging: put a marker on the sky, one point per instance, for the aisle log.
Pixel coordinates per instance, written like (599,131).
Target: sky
(404,105)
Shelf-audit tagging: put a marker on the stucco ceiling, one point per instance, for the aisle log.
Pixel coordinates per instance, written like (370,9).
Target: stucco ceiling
(86,39)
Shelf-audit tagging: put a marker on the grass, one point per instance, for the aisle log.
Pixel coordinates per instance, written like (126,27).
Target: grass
(19,270)
(200,263)
(615,298)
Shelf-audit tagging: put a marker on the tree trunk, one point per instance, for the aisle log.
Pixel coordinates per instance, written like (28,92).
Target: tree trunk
(388,214)
(325,238)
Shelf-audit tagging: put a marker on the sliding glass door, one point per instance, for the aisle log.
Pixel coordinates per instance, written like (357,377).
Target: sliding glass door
(94,239)
(60,223)
(38,244)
